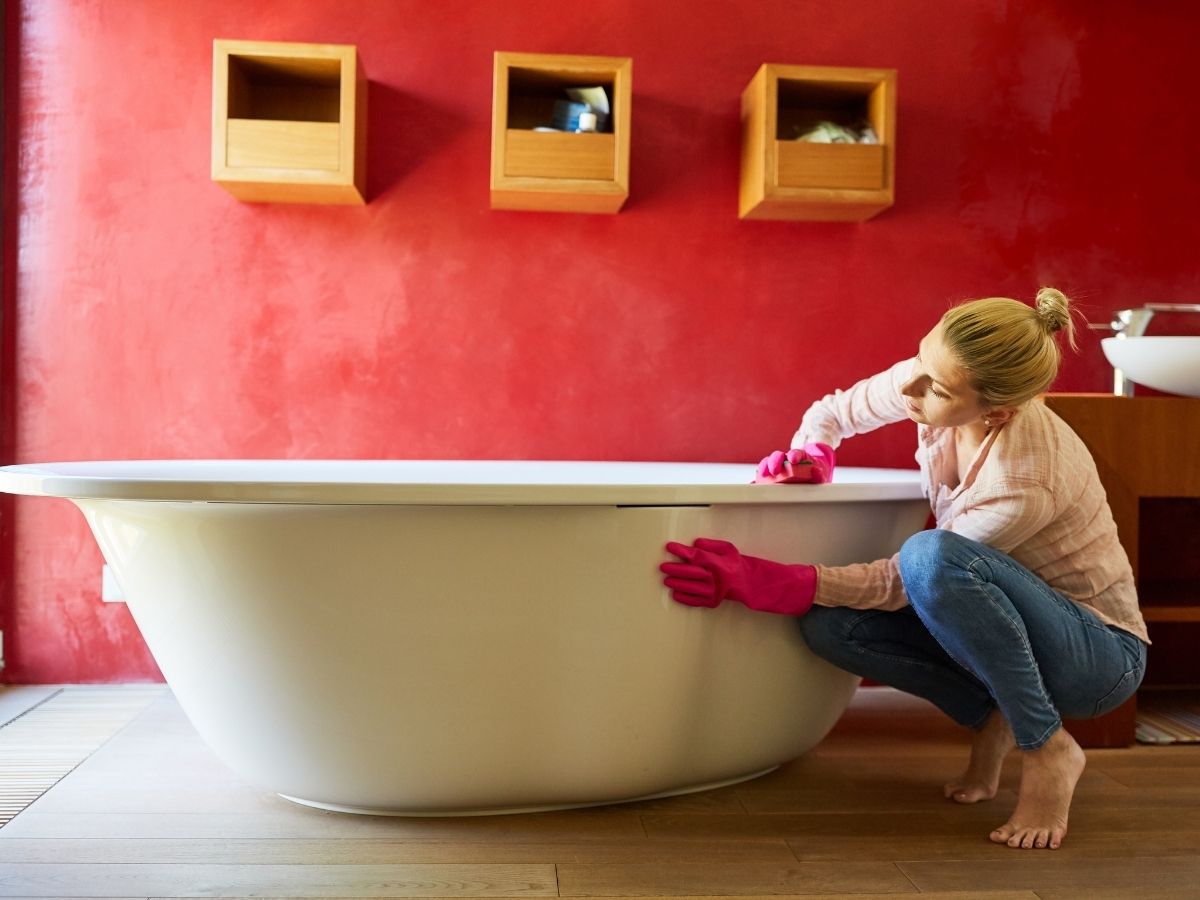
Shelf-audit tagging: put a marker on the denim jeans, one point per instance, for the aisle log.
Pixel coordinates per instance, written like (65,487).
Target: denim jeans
(982,632)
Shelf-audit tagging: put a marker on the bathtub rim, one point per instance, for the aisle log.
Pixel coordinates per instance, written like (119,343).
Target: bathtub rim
(522,482)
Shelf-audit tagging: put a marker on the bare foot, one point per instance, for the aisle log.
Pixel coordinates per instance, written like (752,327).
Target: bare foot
(990,745)
(1048,778)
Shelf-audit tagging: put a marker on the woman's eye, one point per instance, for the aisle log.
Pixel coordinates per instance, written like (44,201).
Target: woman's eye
(938,393)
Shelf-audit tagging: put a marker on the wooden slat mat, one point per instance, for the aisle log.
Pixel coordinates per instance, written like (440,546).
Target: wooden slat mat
(1168,717)
(42,745)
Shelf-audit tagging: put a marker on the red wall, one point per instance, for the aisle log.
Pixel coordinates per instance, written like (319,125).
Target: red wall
(155,316)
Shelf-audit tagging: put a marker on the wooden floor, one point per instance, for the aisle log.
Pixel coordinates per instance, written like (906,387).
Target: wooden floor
(152,813)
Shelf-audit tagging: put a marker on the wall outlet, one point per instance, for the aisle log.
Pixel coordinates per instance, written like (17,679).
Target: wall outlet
(110,588)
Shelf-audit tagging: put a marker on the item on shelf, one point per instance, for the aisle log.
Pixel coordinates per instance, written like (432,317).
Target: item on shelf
(826,132)
(595,97)
(583,101)
(567,114)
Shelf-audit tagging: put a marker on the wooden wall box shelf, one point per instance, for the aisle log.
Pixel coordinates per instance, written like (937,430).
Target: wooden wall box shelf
(1143,448)
(558,171)
(289,122)
(783,178)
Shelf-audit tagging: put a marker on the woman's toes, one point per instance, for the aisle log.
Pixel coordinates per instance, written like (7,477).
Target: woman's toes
(1026,838)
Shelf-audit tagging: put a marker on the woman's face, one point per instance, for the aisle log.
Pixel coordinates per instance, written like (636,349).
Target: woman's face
(938,393)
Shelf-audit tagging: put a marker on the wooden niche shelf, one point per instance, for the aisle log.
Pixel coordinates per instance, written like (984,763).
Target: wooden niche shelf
(289,122)
(558,171)
(783,177)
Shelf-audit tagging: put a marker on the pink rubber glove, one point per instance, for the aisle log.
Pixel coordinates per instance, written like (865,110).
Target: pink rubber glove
(813,463)
(713,571)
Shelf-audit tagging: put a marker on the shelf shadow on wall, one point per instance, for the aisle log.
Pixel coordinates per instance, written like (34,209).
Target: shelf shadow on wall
(402,132)
(682,151)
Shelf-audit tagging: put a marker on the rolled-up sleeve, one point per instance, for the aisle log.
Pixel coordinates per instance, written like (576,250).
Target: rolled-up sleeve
(873,585)
(865,406)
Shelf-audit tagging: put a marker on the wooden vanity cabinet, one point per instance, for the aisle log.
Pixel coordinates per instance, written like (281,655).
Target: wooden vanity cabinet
(1147,453)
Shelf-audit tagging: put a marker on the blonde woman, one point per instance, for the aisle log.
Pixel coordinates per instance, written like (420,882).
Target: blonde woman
(1018,608)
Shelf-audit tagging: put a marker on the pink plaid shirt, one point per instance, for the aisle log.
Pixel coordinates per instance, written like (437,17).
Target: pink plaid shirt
(1031,491)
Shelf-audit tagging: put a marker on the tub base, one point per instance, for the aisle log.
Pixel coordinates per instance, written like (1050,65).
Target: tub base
(520,810)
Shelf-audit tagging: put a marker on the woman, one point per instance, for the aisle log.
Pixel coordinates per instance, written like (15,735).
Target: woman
(1018,608)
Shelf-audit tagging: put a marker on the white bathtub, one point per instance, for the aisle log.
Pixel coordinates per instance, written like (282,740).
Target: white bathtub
(451,638)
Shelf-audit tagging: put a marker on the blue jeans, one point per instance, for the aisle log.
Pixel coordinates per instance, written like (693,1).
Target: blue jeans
(983,632)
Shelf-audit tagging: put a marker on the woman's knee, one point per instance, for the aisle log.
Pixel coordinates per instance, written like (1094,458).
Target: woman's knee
(928,559)
(933,545)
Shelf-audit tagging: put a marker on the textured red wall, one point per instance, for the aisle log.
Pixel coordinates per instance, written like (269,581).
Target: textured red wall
(155,316)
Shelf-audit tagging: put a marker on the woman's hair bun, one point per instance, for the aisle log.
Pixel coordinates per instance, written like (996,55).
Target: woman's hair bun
(1053,308)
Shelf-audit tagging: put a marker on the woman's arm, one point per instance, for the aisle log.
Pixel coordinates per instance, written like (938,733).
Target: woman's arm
(867,405)
(1004,519)
(873,585)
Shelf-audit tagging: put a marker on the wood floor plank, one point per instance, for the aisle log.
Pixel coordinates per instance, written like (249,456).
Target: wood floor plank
(159,851)
(671,877)
(1098,792)
(864,774)
(1045,871)
(1121,893)
(545,828)
(1152,797)
(794,826)
(66,881)
(725,801)
(1133,820)
(88,795)
(974,845)
(1180,756)
(1146,776)
(112,798)
(925,798)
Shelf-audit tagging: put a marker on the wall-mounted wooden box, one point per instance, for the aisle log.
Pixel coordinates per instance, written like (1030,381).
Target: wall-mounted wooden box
(786,178)
(558,171)
(289,122)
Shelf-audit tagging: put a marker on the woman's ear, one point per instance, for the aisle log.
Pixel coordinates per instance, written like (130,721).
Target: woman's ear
(999,415)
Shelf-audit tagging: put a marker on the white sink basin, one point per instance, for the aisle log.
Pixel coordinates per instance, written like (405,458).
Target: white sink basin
(1168,364)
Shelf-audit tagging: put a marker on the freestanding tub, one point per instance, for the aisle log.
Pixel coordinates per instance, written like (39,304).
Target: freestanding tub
(452,638)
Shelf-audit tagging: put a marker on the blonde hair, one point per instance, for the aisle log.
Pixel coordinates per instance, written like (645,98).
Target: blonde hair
(1009,349)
